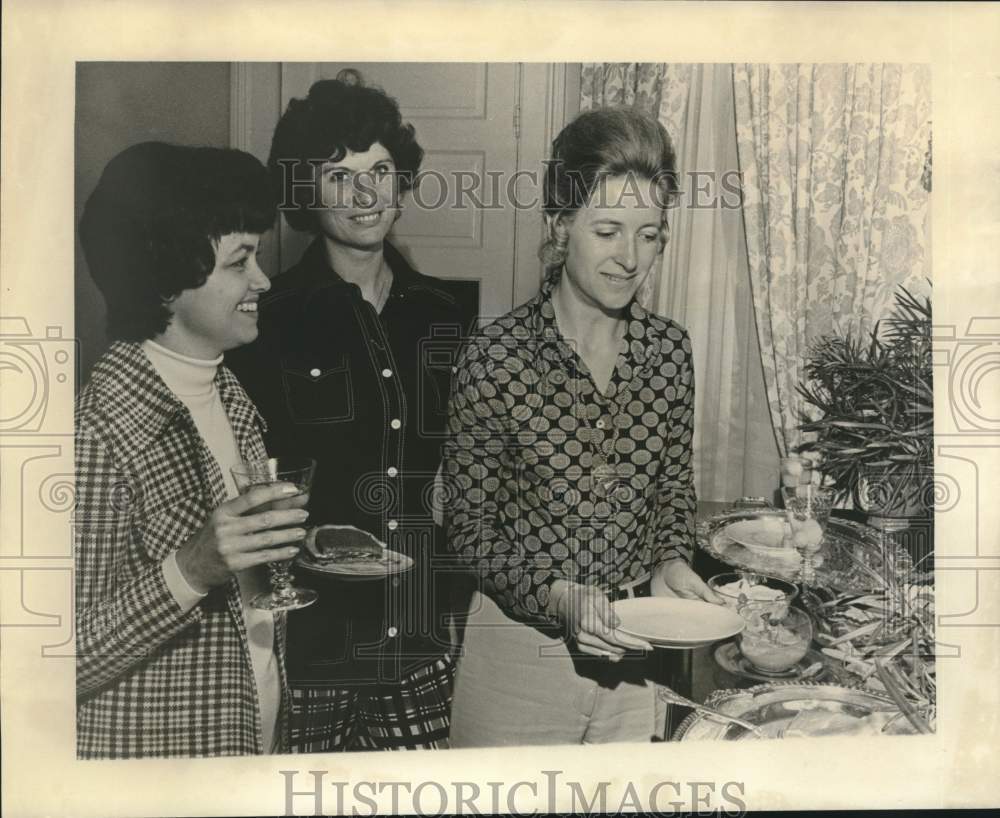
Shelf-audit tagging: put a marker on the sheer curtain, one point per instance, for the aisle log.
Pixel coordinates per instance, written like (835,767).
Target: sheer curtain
(704,283)
(836,205)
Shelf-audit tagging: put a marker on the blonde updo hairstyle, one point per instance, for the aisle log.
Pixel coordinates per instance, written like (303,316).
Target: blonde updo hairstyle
(597,145)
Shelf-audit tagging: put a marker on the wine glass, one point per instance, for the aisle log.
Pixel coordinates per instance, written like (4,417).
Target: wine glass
(808,510)
(298,471)
(796,471)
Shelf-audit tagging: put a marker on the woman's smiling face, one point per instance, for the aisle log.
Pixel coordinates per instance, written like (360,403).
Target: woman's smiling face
(221,314)
(358,198)
(613,242)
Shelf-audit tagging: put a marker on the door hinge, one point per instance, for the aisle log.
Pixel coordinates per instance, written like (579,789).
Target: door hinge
(517,120)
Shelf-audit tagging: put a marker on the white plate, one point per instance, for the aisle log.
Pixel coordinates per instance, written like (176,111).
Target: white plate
(677,623)
(765,534)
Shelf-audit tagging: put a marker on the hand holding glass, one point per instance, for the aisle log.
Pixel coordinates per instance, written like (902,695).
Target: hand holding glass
(298,471)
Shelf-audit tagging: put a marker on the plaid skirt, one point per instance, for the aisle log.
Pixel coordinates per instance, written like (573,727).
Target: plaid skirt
(412,714)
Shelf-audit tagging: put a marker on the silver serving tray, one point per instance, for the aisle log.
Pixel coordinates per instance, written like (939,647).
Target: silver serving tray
(855,558)
(772,707)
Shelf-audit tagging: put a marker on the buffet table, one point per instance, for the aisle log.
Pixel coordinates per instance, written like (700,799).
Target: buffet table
(862,652)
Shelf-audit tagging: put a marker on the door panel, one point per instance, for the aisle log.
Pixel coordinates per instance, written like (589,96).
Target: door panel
(464,117)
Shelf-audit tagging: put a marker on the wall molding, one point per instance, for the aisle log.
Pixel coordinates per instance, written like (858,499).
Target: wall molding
(254,110)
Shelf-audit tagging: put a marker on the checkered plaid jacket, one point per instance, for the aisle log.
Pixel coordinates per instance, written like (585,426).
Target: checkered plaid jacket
(151,680)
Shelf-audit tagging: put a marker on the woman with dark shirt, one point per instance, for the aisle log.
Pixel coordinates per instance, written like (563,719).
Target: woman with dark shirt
(346,371)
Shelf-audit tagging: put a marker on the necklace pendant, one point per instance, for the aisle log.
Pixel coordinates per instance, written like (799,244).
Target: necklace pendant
(604,478)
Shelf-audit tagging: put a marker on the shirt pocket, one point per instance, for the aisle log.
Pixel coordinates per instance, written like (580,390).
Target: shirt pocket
(319,394)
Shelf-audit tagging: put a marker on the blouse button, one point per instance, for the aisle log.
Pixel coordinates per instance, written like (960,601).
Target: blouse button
(387,373)
(600,423)
(392,471)
(392,631)
(314,372)
(396,423)
(392,525)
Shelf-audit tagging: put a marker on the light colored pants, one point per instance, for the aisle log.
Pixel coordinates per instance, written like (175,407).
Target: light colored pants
(517,685)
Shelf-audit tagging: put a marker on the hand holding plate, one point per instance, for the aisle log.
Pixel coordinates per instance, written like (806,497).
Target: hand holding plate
(588,618)
(676,578)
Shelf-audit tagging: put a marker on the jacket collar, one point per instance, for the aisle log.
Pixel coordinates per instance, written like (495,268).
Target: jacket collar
(138,406)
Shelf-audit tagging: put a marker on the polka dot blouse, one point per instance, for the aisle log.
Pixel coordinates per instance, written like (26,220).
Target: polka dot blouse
(548,478)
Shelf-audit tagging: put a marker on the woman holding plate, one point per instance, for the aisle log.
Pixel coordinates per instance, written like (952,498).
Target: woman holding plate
(569,459)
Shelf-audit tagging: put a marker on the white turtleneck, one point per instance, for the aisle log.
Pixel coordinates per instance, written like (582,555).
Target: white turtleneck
(192,380)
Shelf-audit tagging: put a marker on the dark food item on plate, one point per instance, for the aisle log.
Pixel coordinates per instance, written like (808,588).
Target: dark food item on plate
(345,543)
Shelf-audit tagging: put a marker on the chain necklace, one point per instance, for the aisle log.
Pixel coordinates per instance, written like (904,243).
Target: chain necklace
(606,478)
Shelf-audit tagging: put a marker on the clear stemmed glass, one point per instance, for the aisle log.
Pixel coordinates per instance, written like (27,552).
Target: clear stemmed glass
(808,508)
(796,471)
(298,471)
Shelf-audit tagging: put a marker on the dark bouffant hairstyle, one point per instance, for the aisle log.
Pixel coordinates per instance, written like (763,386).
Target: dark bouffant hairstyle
(599,144)
(334,118)
(150,227)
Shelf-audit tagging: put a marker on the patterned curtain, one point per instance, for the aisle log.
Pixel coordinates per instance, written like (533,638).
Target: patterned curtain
(836,166)
(704,283)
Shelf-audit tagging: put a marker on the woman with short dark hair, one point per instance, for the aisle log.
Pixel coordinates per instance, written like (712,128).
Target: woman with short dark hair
(333,120)
(569,459)
(171,658)
(345,372)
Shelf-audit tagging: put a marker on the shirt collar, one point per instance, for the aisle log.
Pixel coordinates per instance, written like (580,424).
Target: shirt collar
(320,275)
(641,330)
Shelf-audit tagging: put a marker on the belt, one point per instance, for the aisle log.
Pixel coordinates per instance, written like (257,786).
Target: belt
(639,588)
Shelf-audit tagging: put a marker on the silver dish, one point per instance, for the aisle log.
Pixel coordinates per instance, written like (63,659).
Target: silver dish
(853,557)
(781,709)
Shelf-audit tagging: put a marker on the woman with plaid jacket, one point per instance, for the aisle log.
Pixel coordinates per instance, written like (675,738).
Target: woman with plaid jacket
(171,660)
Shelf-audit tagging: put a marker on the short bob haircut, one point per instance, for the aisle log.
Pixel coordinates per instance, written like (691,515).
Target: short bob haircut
(150,227)
(598,145)
(336,117)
